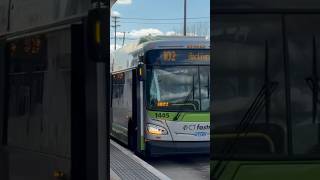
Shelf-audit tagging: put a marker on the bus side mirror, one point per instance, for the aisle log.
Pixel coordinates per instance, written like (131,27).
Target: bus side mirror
(141,72)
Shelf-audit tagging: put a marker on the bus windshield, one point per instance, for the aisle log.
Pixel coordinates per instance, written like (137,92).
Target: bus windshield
(178,88)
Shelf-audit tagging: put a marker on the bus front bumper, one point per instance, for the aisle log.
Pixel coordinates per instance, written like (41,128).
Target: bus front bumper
(160,148)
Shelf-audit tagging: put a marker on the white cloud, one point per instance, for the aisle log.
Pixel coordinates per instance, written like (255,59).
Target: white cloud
(115,13)
(171,33)
(145,32)
(192,34)
(188,34)
(154,32)
(136,34)
(112,47)
(120,34)
(124,2)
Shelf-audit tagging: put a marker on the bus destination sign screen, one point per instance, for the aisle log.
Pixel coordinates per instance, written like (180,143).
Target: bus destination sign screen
(180,56)
(27,52)
(27,48)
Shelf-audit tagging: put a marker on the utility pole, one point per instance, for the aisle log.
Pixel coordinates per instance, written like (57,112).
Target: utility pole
(124,37)
(185,19)
(115,30)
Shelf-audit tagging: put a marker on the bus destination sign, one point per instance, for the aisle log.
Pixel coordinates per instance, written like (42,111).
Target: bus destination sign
(27,52)
(198,57)
(27,48)
(179,56)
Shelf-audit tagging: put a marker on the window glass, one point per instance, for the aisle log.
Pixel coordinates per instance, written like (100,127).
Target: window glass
(303,45)
(39,93)
(178,87)
(205,87)
(249,100)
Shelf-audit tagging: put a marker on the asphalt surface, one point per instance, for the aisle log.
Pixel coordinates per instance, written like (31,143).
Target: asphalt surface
(191,167)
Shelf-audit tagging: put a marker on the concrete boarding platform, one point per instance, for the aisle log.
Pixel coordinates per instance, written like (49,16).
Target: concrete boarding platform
(125,165)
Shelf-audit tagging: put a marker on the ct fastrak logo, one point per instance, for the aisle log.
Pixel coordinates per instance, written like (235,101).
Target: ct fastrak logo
(193,127)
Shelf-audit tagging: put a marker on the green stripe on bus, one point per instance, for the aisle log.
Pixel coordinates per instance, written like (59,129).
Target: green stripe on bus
(142,143)
(184,116)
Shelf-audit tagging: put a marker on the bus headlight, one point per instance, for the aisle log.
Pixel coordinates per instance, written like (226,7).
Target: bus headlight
(156,130)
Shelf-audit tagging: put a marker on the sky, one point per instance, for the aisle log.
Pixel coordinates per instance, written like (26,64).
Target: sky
(139,18)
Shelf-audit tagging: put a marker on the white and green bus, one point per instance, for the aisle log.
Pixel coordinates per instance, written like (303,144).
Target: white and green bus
(161,95)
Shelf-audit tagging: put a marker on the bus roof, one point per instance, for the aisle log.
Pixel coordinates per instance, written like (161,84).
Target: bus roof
(126,57)
(165,42)
(170,42)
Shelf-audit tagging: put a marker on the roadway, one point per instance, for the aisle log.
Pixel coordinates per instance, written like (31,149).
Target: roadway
(191,167)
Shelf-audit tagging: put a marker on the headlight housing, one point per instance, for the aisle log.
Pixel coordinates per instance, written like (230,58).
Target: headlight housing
(156,130)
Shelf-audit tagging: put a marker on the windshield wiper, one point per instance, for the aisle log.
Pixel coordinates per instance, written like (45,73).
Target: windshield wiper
(261,100)
(248,119)
(176,117)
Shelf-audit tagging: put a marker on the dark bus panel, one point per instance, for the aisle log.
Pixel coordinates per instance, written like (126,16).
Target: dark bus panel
(52,125)
(39,102)
(23,15)
(265,107)
(261,5)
